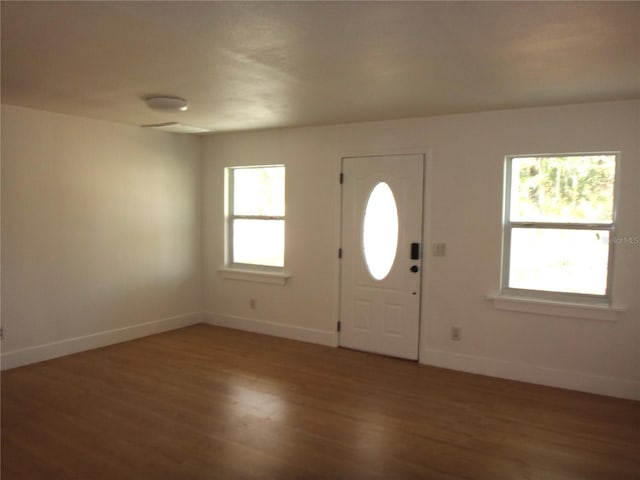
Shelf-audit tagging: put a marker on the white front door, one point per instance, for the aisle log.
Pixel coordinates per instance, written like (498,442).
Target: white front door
(381,264)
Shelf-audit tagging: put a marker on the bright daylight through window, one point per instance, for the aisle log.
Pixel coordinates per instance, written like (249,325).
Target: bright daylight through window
(380,231)
(255,216)
(559,226)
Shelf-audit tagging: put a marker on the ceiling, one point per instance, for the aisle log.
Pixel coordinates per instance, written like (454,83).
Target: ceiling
(255,65)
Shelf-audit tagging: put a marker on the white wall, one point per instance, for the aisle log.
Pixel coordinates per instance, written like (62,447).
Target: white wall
(463,209)
(101,237)
(103,227)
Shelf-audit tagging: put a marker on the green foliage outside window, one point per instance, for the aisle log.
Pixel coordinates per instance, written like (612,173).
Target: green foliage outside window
(563,189)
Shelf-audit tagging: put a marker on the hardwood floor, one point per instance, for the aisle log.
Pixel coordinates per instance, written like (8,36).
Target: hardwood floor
(208,403)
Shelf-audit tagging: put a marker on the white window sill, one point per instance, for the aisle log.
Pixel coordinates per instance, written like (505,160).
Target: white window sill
(258,276)
(559,309)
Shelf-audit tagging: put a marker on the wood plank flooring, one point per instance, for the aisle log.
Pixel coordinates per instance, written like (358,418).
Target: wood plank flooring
(211,403)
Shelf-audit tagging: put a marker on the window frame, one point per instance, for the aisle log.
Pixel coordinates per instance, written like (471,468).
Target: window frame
(508,225)
(230,217)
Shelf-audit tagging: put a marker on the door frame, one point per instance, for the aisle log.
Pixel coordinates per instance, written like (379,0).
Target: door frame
(425,269)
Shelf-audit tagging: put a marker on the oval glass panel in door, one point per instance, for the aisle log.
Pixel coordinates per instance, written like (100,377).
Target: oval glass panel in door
(380,231)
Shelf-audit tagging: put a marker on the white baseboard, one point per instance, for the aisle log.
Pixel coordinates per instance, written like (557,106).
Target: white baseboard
(38,353)
(601,385)
(302,334)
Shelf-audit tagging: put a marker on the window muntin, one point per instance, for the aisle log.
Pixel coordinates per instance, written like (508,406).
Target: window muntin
(558,226)
(256,216)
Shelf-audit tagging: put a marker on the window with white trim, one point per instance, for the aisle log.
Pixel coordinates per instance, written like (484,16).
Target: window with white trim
(255,217)
(559,226)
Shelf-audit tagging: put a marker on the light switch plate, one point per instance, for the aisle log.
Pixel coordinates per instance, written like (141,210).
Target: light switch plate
(439,249)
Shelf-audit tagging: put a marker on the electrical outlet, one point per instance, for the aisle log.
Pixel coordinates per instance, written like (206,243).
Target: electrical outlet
(252,303)
(456,334)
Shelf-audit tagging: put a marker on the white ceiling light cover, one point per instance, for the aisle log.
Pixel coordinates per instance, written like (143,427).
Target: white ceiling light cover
(167,103)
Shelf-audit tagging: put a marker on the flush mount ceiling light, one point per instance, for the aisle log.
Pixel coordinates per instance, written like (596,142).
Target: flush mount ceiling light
(167,104)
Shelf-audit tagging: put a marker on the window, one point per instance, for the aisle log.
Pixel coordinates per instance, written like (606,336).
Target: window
(255,217)
(559,226)
(380,231)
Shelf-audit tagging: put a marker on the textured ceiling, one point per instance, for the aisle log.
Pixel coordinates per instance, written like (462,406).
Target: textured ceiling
(251,65)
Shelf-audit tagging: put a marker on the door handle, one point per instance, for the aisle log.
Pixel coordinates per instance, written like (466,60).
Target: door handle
(414,268)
